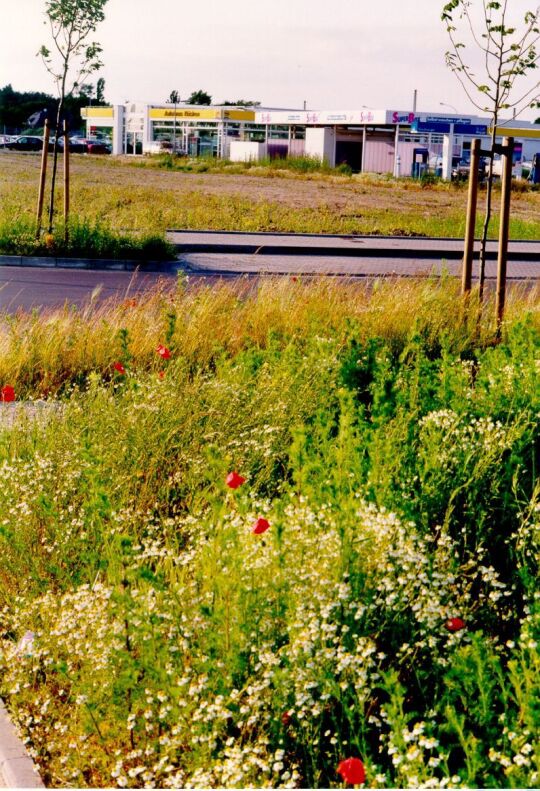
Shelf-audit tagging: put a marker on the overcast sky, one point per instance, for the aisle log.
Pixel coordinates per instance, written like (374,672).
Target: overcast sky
(331,53)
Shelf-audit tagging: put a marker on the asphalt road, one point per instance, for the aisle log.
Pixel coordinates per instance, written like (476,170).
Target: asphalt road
(25,288)
(210,256)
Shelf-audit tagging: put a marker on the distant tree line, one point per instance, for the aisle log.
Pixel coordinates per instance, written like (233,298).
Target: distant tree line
(22,111)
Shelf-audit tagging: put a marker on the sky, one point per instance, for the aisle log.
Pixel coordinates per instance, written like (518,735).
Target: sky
(332,54)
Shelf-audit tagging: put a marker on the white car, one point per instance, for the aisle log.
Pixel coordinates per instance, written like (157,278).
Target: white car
(517,168)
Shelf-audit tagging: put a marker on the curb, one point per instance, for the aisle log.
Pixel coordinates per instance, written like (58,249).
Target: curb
(194,270)
(267,243)
(343,252)
(17,770)
(45,262)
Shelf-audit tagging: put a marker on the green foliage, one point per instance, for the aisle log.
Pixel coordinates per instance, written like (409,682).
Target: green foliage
(508,52)
(390,612)
(299,164)
(86,239)
(71,22)
(199,97)
(16,107)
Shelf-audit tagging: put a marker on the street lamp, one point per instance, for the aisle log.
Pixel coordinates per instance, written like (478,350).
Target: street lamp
(174,99)
(451,106)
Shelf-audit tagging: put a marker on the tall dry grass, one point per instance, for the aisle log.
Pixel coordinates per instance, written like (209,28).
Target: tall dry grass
(42,353)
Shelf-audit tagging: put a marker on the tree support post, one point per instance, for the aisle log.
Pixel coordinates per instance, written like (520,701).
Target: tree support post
(42,176)
(466,278)
(507,152)
(66,182)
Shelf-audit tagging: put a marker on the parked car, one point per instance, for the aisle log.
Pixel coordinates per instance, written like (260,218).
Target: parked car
(26,143)
(497,168)
(95,146)
(462,168)
(76,145)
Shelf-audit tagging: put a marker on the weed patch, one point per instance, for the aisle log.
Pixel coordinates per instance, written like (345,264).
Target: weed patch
(275,538)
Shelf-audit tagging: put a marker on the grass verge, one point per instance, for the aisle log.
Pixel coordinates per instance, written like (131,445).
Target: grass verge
(85,239)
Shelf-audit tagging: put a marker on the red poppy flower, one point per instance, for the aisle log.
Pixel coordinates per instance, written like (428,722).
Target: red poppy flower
(163,352)
(7,393)
(260,526)
(352,771)
(161,374)
(454,624)
(119,368)
(234,480)
(286,718)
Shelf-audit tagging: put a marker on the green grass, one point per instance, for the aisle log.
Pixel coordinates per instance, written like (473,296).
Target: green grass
(86,238)
(127,200)
(299,165)
(393,450)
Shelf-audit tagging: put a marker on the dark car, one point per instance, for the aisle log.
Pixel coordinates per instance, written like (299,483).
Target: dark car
(97,147)
(76,145)
(26,143)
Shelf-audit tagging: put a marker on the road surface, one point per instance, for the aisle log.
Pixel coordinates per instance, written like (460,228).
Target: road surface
(28,287)
(214,255)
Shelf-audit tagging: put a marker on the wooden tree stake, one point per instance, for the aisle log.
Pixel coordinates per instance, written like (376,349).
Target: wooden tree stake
(502,258)
(466,278)
(42,176)
(66,182)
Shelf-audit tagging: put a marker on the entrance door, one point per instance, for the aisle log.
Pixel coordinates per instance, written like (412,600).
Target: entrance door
(134,143)
(349,152)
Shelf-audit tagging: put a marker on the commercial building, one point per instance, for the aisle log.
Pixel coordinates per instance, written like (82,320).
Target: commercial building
(403,143)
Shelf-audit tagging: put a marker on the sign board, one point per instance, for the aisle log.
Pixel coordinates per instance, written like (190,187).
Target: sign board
(320,117)
(164,113)
(505,131)
(97,112)
(443,128)
(399,117)
(445,119)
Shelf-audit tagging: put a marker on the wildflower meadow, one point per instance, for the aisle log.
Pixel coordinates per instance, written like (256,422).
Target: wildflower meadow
(283,535)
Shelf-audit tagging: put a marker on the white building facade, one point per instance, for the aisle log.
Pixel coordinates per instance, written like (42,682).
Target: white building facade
(398,142)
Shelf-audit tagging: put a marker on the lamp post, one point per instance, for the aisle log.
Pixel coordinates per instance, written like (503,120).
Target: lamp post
(173,99)
(451,106)
(447,161)
(364,141)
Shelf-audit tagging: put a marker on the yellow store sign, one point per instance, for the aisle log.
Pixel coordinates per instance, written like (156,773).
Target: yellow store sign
(165,114)
(97,112)
(505,131)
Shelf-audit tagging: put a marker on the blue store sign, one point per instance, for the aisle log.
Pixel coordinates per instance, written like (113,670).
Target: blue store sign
(443,127)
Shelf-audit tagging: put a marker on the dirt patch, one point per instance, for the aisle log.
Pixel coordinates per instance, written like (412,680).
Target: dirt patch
(391,206)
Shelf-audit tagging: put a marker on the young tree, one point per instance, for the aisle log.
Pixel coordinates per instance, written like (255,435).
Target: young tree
(503,53)
(72,59)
